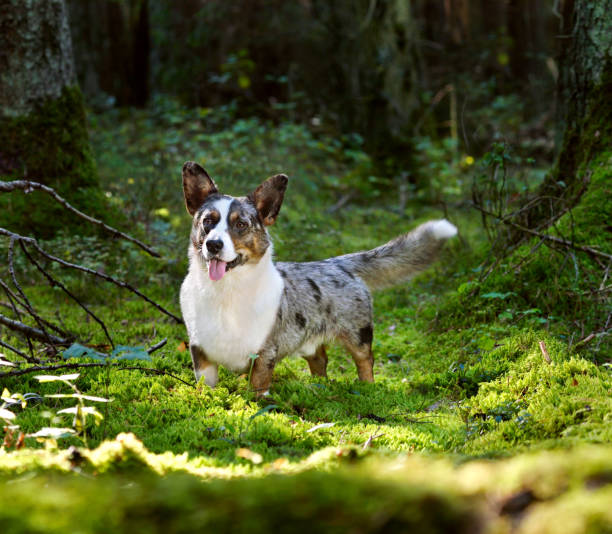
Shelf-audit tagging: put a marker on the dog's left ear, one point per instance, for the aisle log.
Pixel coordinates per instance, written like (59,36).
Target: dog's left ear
(268,197)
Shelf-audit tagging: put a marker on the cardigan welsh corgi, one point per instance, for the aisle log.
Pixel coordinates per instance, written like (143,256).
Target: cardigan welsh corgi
(242,309)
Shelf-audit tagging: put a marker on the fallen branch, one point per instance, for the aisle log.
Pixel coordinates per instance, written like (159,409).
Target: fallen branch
(118,366)
(17,351)
(124,285)
(53,282)
(546,237)
(32,332)
(27,187)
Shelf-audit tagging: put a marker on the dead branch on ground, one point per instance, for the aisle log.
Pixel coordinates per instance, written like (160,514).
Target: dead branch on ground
(23,318)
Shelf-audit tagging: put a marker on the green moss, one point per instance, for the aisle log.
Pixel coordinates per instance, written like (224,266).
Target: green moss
(51,146)
(55,491)
(535,401)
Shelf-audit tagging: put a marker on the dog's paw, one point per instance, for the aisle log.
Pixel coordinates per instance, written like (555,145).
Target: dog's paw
(443,229)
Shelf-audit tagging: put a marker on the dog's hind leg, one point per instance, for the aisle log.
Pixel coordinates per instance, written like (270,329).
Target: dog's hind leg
(202,367)
(318,362)
(360,348)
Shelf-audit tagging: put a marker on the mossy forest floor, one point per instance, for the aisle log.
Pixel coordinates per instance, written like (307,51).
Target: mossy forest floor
(470,426)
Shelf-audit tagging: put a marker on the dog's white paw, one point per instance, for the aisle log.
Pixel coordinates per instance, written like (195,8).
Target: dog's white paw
(442,229)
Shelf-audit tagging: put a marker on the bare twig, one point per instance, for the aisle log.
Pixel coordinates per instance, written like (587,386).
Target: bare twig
(341,202)
(544,352)
(157,346)
(369,441)
(26,302)
(15,298)
(18,352)
(31,241)
(53,282)
(26,186)
(586,340)
(34,333)
(547,237)
(14,301)
(118,366)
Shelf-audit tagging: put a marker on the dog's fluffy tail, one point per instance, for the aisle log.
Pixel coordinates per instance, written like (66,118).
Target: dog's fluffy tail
(400,258)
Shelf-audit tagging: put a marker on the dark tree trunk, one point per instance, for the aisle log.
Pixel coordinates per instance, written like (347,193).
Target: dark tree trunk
(35,54)
(43,133)
(112,42)
(585,76)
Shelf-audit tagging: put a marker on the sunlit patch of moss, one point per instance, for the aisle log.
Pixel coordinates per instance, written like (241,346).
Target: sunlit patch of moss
(535,401)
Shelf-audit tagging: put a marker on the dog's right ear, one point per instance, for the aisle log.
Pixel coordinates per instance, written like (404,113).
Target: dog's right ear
(197,186)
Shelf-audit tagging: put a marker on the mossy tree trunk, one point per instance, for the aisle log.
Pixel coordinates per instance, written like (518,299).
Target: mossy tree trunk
(585,108)
(43,133)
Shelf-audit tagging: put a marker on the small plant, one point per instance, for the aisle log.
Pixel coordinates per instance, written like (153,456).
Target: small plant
(79,411)
(14,437)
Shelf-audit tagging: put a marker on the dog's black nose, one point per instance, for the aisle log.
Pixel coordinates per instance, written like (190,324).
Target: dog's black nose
(214,245)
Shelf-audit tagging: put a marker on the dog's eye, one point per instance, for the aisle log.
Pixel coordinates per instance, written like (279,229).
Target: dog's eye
(241,225)
(207,221)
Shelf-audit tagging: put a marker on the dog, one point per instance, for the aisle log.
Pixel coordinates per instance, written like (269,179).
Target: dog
(246,312)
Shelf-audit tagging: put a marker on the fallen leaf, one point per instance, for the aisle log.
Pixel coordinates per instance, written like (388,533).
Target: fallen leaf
(182,346)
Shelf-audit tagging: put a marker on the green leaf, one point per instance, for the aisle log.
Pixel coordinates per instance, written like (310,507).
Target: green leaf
(263,411)
(52,432)
(77,396)
(76,350)
(496,295)
(126,352)
(57,378)
(319,426)
(87,410)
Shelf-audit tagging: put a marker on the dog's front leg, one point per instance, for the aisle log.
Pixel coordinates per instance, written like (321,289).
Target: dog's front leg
(261,375)
(203,367)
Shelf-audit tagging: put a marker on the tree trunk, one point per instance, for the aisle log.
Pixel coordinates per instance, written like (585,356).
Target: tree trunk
(112,49)
(585,110)
(43,134)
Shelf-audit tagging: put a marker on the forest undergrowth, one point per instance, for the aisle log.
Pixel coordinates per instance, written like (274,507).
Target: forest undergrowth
(469,363)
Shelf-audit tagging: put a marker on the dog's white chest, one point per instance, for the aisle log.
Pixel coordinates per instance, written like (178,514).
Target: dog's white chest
(231,318)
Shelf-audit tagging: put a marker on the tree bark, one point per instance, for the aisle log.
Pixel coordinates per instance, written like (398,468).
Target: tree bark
(43,132)
(35,54)
(584,119)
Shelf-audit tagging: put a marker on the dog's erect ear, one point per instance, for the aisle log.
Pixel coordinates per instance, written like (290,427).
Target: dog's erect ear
(268,197)
(197,185)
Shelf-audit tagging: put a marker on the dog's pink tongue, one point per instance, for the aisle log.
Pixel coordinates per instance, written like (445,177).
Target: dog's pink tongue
(216,269)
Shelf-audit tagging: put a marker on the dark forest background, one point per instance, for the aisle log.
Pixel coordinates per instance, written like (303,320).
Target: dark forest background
(386,72)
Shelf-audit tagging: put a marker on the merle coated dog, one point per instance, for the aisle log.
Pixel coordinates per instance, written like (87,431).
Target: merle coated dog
(237,302)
